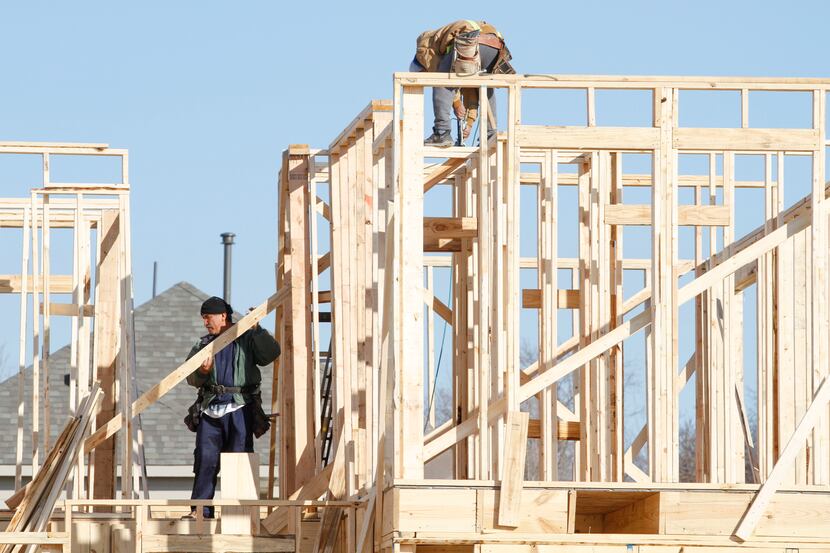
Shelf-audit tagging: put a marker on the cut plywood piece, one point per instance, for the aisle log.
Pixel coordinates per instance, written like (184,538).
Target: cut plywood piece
(715,513)
(240,480)
(515,449)
(542,511)
(432,510)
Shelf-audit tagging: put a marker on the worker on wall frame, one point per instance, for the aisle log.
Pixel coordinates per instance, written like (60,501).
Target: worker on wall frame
(467,48)
(228,411)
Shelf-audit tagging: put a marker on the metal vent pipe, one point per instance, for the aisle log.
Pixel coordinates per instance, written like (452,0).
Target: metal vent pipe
(227,241)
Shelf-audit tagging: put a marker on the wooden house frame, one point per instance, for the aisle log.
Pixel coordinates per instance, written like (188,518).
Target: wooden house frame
(362,260)
(100,310)
(384,310)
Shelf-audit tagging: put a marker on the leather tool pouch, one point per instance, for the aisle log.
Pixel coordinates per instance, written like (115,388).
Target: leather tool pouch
(502,64)
(194,414)
(261,422)
(466,58)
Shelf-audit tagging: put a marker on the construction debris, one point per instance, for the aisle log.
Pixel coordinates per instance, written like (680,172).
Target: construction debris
(34,510)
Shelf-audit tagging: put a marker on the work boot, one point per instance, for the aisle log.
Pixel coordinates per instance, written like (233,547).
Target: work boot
(440,139)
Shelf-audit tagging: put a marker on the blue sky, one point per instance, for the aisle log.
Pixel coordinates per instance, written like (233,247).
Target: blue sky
(206,95)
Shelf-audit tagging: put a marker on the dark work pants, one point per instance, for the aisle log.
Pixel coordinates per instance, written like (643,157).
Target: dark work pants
(442,97)
(230,433)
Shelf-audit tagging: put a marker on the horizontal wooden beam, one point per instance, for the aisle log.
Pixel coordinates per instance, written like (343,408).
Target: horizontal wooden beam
(58,284)
(35,538)
(641,180)
(444,234)
(170,543)
(58,220)
(611,82)
(566,299)
(688,215)
(762,140)
(437,228)
(566,430)
(86,185)
(588,138)
(68,309)
(52,145)
(299,150)
(59,148)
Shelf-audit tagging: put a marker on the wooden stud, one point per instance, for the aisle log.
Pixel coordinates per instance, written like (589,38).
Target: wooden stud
(515,448)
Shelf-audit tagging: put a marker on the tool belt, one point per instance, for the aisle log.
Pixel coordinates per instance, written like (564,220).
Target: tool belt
(502,64)
(491,40)
(219,389)
(261,423)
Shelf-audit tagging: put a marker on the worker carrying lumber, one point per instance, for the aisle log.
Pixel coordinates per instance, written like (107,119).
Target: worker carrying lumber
(467,48)
(228,411)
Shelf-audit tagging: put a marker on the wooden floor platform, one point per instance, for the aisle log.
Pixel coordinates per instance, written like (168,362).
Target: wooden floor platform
(599,517)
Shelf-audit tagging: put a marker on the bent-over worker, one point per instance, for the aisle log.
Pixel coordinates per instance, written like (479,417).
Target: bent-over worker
(228,411)
(465,47)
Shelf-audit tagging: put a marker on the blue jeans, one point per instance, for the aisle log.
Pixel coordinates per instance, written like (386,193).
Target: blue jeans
(232,432)
(442,97)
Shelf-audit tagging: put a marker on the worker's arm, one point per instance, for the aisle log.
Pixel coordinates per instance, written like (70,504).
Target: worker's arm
(198,377)
(264,346)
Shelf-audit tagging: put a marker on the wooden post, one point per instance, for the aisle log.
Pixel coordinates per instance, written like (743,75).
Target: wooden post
(409,333)
(24,307)
(548,328)
(37,218)
(820,326)
(297,412)
(107,324)
(239,480)
(515,448)
(662,416)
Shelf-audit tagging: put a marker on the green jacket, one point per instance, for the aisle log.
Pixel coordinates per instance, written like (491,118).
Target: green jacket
(254,348)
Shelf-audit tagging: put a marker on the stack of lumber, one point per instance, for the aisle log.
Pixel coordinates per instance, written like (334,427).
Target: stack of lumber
(33,511)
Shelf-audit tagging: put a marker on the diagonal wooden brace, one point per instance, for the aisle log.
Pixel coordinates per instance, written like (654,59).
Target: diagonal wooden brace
(168,382)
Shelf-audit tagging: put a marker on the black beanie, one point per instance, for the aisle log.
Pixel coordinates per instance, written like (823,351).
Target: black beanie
(215,306)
